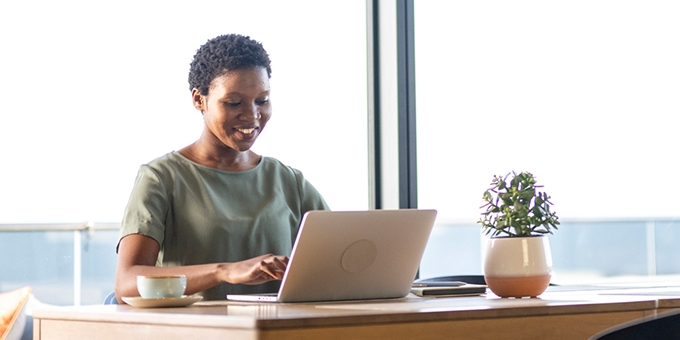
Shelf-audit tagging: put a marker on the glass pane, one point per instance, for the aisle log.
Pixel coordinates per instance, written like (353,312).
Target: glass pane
(45,261)
(90,90)
(40,259)
(582,94)
(98,266)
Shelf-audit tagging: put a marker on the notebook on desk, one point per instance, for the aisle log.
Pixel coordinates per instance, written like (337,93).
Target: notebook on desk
(353,255)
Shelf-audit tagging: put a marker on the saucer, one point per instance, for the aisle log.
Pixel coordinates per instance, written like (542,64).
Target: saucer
(140,302)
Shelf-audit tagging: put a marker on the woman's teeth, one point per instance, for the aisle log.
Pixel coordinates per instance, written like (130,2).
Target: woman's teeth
(247,131)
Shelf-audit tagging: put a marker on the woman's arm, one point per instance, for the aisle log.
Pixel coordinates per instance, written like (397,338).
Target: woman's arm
(137,255)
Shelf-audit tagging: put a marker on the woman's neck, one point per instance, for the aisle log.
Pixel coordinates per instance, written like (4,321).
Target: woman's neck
(222,158)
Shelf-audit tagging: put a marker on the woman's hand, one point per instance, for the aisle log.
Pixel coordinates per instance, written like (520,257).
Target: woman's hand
(255,271)
(137,255)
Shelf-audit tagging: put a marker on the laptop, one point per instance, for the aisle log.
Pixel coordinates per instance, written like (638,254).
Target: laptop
(353,255)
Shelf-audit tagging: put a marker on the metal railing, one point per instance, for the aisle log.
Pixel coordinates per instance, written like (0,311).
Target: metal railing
(651,241)
(78,230)
(583,249)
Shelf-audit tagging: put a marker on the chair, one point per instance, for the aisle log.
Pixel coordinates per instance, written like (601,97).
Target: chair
(111,299)
(13,319)
(661,326)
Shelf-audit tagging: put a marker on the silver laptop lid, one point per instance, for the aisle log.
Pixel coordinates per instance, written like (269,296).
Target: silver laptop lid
(352,255)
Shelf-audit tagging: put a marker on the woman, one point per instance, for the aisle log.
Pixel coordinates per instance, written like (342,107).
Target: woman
(216,211)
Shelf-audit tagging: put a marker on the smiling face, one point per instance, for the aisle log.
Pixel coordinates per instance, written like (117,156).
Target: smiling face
(236,108)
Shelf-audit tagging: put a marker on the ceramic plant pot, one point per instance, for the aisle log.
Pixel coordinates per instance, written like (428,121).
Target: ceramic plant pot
(518,266)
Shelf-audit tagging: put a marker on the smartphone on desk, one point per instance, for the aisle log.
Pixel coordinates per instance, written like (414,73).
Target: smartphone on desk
(449,286)
(439,284)
(465,289)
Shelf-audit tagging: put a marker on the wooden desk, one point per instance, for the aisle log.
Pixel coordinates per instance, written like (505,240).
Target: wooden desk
(560,314)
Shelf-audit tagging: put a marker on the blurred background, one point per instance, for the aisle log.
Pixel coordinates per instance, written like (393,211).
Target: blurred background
(582,94)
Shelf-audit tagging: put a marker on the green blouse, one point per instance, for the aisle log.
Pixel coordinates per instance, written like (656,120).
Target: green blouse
(204,215)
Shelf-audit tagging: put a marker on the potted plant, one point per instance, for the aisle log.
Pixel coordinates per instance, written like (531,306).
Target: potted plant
(517,217)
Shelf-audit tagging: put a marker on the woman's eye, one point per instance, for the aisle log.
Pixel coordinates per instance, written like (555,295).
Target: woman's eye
(262,102)
(233,104)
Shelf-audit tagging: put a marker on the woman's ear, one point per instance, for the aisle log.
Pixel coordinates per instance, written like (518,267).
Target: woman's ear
(198,100)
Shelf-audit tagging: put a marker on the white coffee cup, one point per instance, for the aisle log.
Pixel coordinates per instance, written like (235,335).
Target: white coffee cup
(156,287)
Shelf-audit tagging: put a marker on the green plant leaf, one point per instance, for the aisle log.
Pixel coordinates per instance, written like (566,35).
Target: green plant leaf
(515,208)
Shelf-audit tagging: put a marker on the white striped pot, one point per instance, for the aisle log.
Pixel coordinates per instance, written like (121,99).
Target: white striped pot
(517,266)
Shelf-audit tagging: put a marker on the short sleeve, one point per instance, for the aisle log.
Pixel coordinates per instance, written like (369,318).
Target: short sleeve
(310,198)
(147,208)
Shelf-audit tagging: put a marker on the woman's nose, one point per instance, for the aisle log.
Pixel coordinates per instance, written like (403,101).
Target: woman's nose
(251,112)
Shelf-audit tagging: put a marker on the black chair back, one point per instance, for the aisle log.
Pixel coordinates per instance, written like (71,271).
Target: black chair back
(661,326)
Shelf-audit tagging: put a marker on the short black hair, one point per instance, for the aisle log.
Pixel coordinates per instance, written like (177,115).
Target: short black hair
(222,54)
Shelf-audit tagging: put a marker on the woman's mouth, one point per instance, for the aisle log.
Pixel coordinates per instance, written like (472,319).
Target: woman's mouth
(246,131)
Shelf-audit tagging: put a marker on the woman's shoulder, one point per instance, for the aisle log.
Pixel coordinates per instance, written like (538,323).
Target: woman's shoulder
(271,164)
(167,164)
(169,159)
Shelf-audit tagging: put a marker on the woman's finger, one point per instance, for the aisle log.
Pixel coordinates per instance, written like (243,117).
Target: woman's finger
(272,270)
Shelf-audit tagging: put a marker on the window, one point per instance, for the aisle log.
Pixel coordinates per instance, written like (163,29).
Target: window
(582,94)
(91,90)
